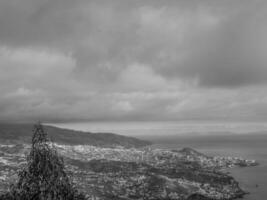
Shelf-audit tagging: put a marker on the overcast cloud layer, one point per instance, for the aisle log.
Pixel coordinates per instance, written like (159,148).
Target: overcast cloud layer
(66,60)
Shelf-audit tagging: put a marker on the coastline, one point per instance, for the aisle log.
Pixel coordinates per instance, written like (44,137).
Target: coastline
(251,181)
(178,173)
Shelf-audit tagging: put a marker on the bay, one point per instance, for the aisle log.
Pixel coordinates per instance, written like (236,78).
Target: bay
(241,139)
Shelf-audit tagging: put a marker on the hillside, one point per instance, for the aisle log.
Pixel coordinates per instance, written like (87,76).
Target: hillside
(129,174)
(10,133)
(101,169)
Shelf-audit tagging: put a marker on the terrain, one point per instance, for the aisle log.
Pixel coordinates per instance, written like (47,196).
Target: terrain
(109,166)
(22,133)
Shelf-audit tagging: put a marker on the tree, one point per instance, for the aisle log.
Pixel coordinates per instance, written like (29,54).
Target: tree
(44,177)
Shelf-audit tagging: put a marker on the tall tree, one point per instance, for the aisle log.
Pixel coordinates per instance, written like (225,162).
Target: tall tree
(44,177)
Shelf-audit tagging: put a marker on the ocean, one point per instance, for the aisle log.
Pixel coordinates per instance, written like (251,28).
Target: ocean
(248,140)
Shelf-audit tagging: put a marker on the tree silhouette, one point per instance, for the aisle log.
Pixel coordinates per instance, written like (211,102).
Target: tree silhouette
(44,177)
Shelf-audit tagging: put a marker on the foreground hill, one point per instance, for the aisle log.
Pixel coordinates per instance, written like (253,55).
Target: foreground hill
(103,167)
(10,133)
(136,173)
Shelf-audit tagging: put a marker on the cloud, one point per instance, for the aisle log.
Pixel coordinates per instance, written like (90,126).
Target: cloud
(217,44)
(31,79)
(64,60)
(122,106)
(231,55)
(138,77)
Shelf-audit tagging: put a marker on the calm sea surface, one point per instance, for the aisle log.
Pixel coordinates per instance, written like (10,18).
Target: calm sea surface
(248,140)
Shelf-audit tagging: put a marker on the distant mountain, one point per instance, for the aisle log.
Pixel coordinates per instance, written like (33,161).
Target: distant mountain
(23,133)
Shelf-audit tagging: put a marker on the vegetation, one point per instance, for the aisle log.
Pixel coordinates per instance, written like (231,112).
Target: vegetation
(111,173)
(44,177)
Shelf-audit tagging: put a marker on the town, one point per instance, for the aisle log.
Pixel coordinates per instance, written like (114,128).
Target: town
(134,173)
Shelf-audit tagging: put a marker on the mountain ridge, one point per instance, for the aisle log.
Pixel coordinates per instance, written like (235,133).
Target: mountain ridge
(23,132)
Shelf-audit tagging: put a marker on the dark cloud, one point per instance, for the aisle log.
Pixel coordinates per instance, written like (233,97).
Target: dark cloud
(230,55)
(87,59)
(220,44)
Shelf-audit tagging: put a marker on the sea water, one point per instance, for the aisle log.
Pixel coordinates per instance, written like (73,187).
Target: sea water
(248,140)
(251,179)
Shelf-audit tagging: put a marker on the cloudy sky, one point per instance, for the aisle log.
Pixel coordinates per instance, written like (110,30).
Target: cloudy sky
(83,60)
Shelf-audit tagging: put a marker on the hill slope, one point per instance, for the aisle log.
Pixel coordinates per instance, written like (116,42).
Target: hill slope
(23,133)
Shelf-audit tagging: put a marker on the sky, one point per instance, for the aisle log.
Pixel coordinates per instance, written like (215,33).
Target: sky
(133,60)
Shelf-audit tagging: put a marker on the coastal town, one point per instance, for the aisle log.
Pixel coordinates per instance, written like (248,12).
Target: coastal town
(136,173)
